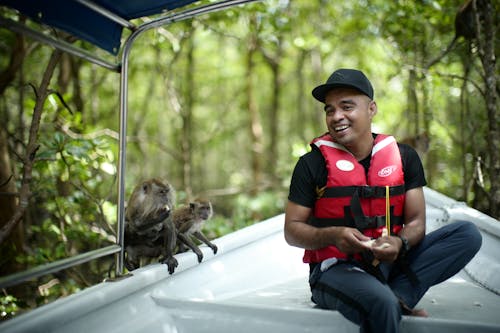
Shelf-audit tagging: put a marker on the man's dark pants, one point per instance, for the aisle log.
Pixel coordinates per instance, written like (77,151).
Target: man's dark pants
(375,305)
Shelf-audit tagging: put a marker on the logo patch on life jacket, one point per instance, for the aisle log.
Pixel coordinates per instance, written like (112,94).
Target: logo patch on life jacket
(387,171)
(320,191)
(345,165)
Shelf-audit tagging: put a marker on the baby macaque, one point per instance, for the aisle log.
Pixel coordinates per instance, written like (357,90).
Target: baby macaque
(189,221)
(149,229)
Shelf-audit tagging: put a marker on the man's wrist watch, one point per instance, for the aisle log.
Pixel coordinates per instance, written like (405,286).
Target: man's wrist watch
(405,247)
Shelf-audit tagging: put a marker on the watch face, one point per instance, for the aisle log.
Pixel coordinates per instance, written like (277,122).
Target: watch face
(406,245)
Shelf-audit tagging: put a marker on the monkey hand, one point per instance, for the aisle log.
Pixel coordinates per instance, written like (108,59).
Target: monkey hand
(171,263)
(130,266)
(163,213)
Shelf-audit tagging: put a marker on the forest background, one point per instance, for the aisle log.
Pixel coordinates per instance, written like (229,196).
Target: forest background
(221,106)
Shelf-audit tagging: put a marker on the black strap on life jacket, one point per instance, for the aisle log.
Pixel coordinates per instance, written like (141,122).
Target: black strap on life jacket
(362,191)
(363,222)
(367,256)
(353,214)
(367,264)
(404,266)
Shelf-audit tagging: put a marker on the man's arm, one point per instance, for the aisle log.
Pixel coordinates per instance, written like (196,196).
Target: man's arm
(413,230)
(414,215)
(299,233)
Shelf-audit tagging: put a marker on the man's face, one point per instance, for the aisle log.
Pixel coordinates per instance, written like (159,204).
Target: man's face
(349,115)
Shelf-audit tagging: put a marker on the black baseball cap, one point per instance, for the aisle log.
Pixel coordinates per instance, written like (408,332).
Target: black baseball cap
(350,78)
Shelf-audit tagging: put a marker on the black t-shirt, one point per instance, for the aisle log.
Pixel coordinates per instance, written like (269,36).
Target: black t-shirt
(310,172)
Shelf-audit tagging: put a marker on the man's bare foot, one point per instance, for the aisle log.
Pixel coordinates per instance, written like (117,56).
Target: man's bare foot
(412,312)
(419,313)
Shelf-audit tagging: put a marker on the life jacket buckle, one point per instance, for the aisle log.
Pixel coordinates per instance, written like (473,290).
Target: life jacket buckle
(367,191)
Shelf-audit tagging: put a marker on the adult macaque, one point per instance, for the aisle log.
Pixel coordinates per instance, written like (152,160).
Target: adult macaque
(149,229)
(465,21)
(189,221)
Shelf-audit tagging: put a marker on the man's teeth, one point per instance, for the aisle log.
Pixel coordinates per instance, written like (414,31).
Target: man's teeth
(341,128)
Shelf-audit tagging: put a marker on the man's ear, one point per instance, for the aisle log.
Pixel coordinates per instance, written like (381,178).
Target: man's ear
(372,108)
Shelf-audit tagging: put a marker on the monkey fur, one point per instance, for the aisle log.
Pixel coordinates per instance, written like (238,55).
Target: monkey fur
(465,22)
(149,229)
(189,221)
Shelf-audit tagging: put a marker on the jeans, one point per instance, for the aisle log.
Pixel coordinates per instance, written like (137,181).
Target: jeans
(374,305)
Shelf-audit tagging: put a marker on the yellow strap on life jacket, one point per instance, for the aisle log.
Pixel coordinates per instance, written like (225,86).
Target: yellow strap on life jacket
(387,211)
(387,230)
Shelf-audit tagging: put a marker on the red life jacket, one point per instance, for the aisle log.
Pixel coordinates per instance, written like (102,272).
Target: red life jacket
(352,198)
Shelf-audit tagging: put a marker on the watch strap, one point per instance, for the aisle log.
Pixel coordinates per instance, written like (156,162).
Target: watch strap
(405,246)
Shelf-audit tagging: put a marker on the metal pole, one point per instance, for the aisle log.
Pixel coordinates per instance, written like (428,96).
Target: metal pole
(16,278)
(106,13)
(190,13)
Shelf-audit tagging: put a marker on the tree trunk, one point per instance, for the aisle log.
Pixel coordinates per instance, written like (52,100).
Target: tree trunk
(485,36)
(467,176)
(14,242)
(16,60)
(8,200)
(272,152)
(187,119)
(298,114)
(256,134)
(412,102)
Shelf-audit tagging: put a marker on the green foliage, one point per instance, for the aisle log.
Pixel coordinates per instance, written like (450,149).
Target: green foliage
(218,226)
(73,187)
(8,306)
(251,209)
(248,210)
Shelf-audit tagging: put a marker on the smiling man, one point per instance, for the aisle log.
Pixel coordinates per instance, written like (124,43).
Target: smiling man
(356,205)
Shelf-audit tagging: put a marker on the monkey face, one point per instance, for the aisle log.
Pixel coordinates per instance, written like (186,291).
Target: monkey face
(205,212)
(162,193)
(201,209)
(152,200)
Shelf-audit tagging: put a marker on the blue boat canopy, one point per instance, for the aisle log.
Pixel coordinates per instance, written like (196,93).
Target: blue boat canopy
(99,22)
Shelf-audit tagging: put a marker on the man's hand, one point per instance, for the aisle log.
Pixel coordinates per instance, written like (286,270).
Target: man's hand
(386,248)
(350,240)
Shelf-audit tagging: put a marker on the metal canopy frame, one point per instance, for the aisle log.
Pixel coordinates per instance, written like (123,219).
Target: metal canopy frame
(121,68)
